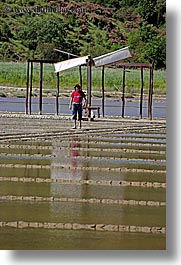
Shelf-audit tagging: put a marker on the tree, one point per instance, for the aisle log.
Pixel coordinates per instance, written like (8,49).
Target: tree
(41,32)
(148,45)
(153,11)
(155,52)
(5,32)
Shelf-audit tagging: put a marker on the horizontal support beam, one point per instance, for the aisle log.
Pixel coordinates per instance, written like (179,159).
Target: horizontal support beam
(42,61)
(133,65)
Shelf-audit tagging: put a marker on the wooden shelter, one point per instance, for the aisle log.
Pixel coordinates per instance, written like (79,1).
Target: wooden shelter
(109,59)
(150,91)
(105,59)
(29,84)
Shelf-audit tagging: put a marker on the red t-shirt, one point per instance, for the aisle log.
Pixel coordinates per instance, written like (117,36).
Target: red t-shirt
(78,96)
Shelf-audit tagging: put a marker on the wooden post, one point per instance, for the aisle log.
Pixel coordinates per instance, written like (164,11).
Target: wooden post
(27,84)
(103,90)
(151,91)
(31,85)
(80,74)
(57,94)
(150,94)
(123,97)
(89,83)
(41,81)
(141,96)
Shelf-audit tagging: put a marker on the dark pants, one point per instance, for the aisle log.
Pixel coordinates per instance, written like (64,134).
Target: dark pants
(77,109)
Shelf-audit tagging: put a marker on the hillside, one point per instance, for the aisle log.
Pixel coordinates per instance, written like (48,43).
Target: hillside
(33,28)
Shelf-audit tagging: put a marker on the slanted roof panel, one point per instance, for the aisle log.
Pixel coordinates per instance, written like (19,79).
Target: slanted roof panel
(106,59)
(112,57)
(61,66)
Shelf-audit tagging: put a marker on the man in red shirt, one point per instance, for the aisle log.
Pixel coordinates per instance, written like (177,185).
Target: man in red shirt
(76,104)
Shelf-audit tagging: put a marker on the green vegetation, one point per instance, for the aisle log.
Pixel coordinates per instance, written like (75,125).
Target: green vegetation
(33,28)
(14,74)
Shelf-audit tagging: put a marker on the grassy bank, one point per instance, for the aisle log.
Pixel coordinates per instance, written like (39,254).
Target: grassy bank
(14,75)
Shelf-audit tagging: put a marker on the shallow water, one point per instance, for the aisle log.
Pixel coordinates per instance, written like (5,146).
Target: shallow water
(81,191)
(68,212)
(137,157)
(79,240)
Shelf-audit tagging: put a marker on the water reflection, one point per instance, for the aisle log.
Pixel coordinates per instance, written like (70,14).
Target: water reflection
(68,169)
(73,168)
(74,152)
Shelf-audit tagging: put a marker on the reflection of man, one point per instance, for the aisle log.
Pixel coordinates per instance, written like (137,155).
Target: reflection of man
(64,164)
(74,153)
(76,104)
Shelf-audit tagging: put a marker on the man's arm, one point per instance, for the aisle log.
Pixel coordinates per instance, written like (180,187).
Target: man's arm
(70,104)
(85,101)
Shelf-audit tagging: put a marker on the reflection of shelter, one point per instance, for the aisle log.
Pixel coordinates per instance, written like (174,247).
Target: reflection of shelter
(109,59)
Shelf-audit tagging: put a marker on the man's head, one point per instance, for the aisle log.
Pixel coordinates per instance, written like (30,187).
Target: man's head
(77,87)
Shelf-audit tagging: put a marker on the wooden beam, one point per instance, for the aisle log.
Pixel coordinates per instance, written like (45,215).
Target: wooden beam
(57,94)
(123,96)
(103,90)
(89,81)
(42,61)
(27,85)
(31,85)
(150,94)
(145,65)
(141,95)
(80,74)
(41,87)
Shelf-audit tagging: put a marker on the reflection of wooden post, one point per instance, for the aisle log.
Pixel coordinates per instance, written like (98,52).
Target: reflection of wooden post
(57,94)
(41,81)
(31,85)
(141,96)
(27,84)
(150,94)
(123,98)
(80,73)
(103,91)
(89,82)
